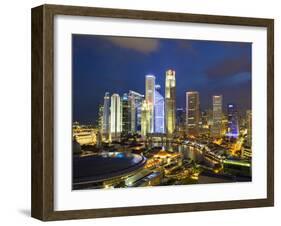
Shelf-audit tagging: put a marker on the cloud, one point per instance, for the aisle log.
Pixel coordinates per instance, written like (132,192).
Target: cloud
(230,67)
(186,46)
(240,45)
(230,81)
(142,45)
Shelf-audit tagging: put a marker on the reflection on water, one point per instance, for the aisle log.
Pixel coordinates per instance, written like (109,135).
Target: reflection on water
(188,152)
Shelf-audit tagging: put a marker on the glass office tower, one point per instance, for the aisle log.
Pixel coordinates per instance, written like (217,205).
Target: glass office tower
(232,118)
(159,112)
(115,117)
(149,97)
(192,113)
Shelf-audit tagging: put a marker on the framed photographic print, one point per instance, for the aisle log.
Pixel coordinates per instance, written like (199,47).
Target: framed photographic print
(141,112)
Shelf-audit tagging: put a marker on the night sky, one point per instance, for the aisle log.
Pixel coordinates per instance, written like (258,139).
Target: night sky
(119,64)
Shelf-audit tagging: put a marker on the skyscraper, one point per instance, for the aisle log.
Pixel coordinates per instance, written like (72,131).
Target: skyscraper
(106,114)
(216,130)
(246,150)
(209,113)
(115,116)
(135,104)
(249,126)
(204,118)
(145,118)
(170,101)
(100,118)
(180,119)
(232,118)
(149,97)
(203,123)
(192,113)
(126,114)
(159,112)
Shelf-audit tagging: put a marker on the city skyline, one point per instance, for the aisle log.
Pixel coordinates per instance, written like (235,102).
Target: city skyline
(232,71)
(160,128)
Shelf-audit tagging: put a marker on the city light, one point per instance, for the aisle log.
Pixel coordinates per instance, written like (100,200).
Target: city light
(175,126)
(150,121)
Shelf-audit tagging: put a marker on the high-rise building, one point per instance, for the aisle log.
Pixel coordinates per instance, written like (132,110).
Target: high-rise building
(192,113)
(145,118)
(232,118)
(170,101)
(224,124)
(115,116)
(106,118)
(209,113)
(180,119)
(159,112)
(126,114)
(135,104)
(149,97)
(249,126)
(246,150)
(203,123)
(216,130)
(204,118)
(100,118)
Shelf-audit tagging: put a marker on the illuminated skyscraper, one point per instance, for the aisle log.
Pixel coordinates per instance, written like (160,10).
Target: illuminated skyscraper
(159,112)
(135,104)
(170,101)
(106,114)
(209,113)
(126,113)
(249,126)
(216,130)
(115,116)
(100,118)
(149,97)
(145,118)
(203,123)
(204,118)
(192,113)
(180,119)
(246,150)
(232,118)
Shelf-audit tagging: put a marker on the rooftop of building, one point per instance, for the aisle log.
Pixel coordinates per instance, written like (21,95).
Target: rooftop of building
(105,166)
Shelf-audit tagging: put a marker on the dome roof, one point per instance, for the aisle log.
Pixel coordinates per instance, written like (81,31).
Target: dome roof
(105,166)
(162,153)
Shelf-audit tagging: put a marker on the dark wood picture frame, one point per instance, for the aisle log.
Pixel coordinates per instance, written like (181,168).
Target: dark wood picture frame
(42,203)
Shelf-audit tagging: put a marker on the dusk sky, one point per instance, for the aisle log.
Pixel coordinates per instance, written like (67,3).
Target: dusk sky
(119,64)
